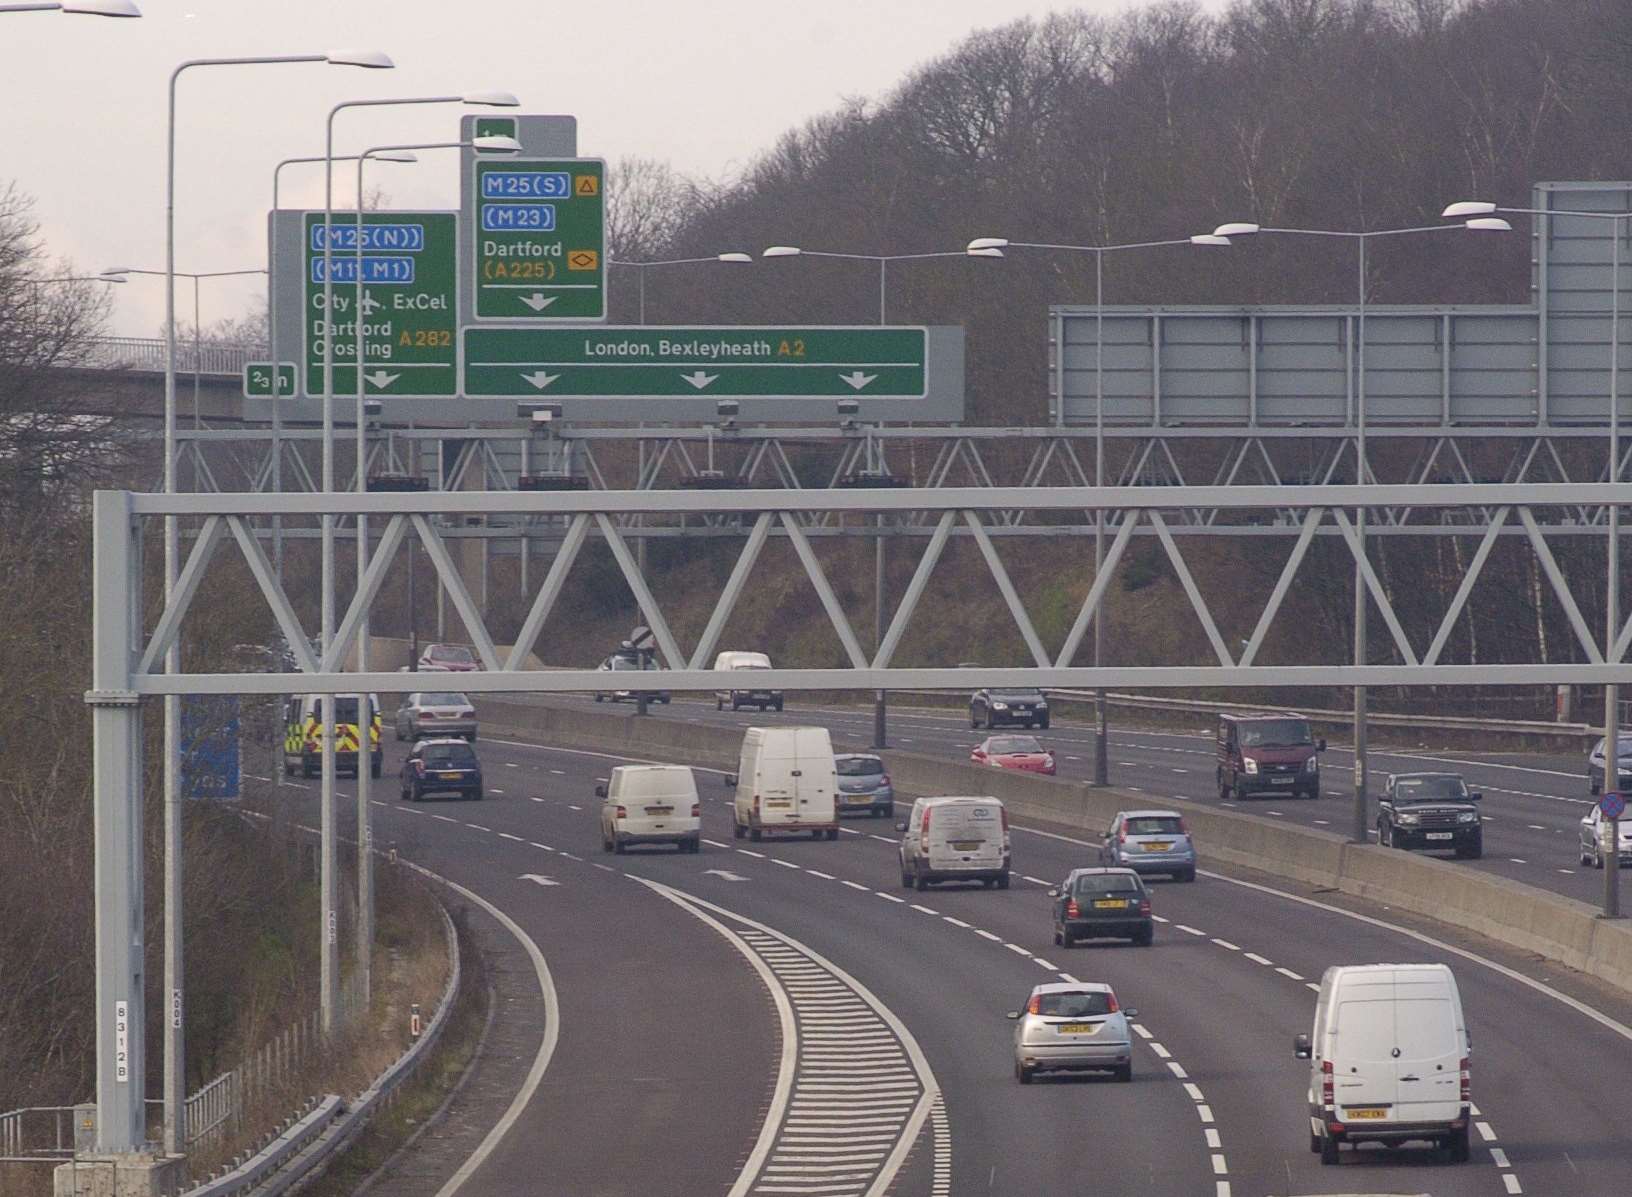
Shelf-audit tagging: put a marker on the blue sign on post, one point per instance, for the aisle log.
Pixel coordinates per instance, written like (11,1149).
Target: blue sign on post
(1612,805)
(210,746)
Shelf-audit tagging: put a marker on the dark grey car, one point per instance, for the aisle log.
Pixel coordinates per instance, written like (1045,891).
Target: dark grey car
(1000,706)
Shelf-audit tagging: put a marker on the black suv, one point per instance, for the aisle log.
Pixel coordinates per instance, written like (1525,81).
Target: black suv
(441,767)
(997,705)
(1431,810)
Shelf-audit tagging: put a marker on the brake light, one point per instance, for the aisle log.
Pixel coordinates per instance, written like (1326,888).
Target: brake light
(1113,1007)
(623,812)
(1072,910)
(1184,828)
(1122,835)
(1035,1006)
(419,768)
(1144,905)
(1003,813)
(756,804)
(923,832)
(696,810)
(1467,1080)
(1327,1085)
(885,780)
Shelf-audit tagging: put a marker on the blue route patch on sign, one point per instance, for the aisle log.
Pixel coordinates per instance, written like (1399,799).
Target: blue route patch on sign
(210,747)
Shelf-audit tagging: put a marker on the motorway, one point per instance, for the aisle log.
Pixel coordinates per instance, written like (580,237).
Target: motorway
(780,1018)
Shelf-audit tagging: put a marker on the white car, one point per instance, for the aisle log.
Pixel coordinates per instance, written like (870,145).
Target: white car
(1595,839)
(1070,1026)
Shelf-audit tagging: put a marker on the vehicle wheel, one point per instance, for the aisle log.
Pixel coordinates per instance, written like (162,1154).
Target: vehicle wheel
(416,795)
(665,699)
(1124,1072)
(308,770)
(1385,835)
(735,707)
(402,794)
(1585,859)
(1223,790)
(1328,1150)
(973,722)
(906,879)
(618,846)
(1597,859)
(1314,1143)
(1145,938)
(1238,792)
(606,844)
(696,845)
(288,769)
(920,882)
(1022,1073)
(600,698)
(832,833)
(1043,723)
(1067,938)
(736,830)
(1188,874)
(755,834)
(374,770)
(1002,881)
(1473,851)
(1457,1144)
(779,706)
(719,705)
(1593,785)
(1056,937)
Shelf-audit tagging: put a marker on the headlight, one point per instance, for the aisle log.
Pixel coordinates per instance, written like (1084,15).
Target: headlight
(1312,765)
(1250,765)
(1000,706)
(1042,704)
(1407,819)
(1468,816)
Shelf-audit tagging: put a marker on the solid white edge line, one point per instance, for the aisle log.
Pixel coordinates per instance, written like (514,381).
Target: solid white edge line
(926,1077)
(790,1037)
(546,1049)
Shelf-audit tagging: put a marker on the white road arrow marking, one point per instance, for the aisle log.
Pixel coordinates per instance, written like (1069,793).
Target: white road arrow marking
(699,379)
(381,379)
(537,300)
(857,379)
(721,873)
(369,304)
(540,378)
(536,879)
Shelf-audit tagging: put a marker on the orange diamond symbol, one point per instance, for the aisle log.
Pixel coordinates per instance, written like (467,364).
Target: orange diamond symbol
(583,259)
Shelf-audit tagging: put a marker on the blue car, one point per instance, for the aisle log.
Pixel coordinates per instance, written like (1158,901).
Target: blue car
(863,784)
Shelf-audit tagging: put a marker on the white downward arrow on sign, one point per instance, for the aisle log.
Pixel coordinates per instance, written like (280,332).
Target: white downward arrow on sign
(538,301)
(699,379)
(857,379)
(536,879)
(723,874)
(381,379)
(540,379)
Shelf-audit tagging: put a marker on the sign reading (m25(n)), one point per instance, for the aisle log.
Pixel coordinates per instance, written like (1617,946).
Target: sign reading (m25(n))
(539,238)
(834,362)
(409,318)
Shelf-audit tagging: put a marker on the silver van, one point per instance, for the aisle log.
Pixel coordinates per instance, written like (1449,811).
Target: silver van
(955,839)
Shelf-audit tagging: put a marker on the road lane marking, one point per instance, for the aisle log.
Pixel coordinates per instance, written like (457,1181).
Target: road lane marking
(1189,930)
(1257,959)
(1226,945)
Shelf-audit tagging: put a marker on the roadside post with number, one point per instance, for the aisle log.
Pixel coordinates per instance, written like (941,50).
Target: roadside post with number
(259,380)
(538,239)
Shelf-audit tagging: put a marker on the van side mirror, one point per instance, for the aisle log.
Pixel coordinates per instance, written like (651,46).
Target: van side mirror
(730,780)
(1476,796)
(1012,1014)
(1321,744)
(900,826)
(600,791)
(1300,1047)
(1131,1013)
(1054,893)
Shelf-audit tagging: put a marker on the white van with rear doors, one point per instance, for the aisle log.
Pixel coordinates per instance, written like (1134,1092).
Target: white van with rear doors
(955,839)
(650,804)
(785,781)
(1388,1059)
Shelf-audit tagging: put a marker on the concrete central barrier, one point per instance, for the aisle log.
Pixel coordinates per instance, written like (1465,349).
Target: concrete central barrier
(1510,912)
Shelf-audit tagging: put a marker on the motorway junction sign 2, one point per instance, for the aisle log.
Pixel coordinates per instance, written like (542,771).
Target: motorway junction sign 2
(538,241)
(809,362)
(409,317)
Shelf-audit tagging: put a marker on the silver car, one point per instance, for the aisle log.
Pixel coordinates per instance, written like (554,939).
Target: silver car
(1595,764)
(1072,1025)
(1595,839)
(864,786)
(1150,841)
(435,714)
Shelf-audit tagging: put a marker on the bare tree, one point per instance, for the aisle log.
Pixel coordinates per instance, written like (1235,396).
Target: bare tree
(647,203)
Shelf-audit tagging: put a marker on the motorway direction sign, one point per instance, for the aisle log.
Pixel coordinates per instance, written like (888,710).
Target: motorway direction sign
(259,376)
(538,238)
(692,362)
(1612,805)
(210,755)
(409,317)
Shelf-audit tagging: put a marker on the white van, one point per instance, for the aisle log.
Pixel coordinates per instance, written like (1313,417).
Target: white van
(650,804)
(785,781)
(746,694)
(955,839)
(1388,1059)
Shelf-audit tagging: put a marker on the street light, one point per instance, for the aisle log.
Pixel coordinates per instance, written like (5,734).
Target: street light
(121,1117)
(1361,470)
(1102,763)
(1479,212)
(276,478)
(880,702)
(329,957)
(640,269)
(89,8)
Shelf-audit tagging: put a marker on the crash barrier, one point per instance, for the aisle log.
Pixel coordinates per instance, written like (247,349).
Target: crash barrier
(1510,912)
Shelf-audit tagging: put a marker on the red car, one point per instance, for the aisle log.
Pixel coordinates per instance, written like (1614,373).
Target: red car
(1014,752)
(454,658)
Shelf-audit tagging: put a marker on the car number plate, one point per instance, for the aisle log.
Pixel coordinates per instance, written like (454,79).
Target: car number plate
(965,845)
(1438,835)
(858,799)
(1079,1028)
(449,776)
(1156,847)
(1365,1112)
(779,802)
(660,810)
(1110,904)
(1280,781)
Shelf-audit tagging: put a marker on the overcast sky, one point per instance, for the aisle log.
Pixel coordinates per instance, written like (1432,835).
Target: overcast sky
(702,84)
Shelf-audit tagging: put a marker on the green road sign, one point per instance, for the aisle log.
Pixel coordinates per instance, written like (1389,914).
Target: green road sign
(836,362)
(258,379)
(538,238)
(410,314)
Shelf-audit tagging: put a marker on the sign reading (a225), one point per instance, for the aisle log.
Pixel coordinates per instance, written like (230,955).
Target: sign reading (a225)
(539,239)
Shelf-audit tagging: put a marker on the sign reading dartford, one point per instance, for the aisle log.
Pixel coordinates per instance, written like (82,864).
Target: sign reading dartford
(538,238)
(408,318)
(831,362)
